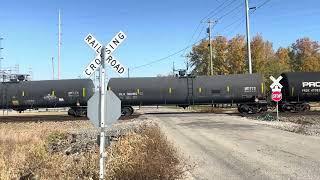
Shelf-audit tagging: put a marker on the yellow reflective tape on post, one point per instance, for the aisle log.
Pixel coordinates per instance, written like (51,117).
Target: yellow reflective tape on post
(138,91)
(84,94)
(200,90)
(52,93)
(262,88)
(22,93)
(170,90)
(228,89)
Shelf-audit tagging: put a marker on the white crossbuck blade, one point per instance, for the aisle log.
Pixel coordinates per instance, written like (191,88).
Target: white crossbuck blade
(110,47)
(276,82)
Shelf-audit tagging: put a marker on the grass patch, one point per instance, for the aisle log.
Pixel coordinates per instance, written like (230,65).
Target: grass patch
(147,155)
(266,117)
(143,154)
(55,137)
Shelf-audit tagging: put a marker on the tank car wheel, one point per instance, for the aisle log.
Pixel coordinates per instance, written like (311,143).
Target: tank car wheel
(263,109)
(131,109)
(71,112)
(306,107)
(245,109)
(126,111)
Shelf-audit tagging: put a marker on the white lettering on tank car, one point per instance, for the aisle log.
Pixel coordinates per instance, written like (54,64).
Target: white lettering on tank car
(50,97)
(73,94)
(311,84)
(250,89)
(132,94)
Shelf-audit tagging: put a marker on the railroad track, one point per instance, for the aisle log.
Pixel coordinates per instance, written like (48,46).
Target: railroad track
(39,118)
(285,114)
(61,118)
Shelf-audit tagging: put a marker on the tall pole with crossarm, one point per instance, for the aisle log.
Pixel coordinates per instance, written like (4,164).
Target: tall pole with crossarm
(210,46)
(248,36)
(59,44)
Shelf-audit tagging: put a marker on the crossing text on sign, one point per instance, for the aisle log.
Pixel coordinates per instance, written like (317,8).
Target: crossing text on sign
(96,63)
(110,47)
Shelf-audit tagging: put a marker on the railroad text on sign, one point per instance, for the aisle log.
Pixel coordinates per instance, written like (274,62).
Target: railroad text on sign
(110,47)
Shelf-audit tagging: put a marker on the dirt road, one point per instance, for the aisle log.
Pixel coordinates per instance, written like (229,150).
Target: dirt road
(232,147)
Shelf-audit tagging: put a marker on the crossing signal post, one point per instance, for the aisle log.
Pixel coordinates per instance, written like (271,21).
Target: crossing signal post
(276,92)
(104,108)
(102,113)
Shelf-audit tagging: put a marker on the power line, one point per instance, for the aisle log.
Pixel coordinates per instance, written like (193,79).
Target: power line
(166,57)
(234,22)
(199,35)
(240,20)
(240,23)
(194,33)
(216,11)
(262,4)
(229,12)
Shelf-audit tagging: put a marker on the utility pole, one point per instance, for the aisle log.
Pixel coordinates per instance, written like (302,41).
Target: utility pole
(128,73)
(1,58)
(210,46)
(30,73)
(173,68)
(52,68)
(248,36)
(59,44)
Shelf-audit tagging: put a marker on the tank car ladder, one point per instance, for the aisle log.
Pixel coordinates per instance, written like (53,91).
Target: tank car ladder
(190,95)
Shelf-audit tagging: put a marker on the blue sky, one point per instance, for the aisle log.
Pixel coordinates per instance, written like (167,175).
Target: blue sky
(155,29)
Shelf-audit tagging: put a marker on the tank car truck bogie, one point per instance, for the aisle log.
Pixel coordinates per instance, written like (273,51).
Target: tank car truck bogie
(252,108)
(294,107)
(77,111)
(126,110)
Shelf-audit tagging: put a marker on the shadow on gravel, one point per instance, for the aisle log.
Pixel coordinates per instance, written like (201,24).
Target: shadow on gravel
(217,125)
(40,118)
(227,113)
(56,118)
(123,118)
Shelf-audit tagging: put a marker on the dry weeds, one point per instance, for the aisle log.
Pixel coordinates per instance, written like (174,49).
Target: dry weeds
(147,155)
(26,153)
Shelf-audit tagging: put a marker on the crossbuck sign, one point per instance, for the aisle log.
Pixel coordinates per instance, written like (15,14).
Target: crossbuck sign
(110,47)
(276,86)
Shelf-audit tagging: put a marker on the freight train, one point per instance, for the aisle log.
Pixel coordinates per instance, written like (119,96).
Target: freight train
(22,95)
(246,91)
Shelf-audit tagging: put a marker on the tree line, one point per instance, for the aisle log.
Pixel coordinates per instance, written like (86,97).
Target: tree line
(230,56)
